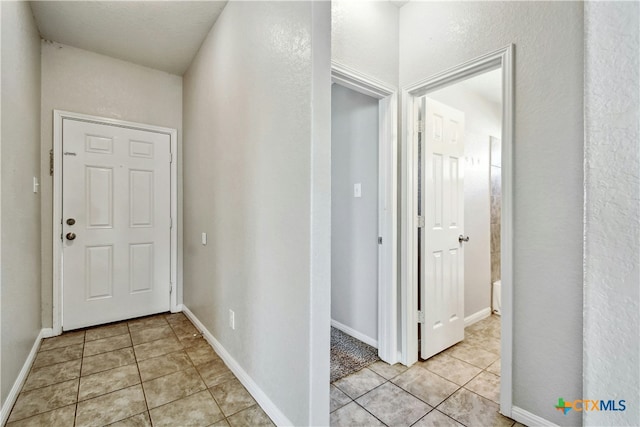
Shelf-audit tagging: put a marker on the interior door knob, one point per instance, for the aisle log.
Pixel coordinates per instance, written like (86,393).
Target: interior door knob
(462,238)
(71,236)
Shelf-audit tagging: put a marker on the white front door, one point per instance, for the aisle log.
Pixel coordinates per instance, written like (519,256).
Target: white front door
(116,219)
(442,253)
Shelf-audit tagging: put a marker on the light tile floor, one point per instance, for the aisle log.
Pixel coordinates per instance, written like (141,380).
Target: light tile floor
(155,370)
(458,387)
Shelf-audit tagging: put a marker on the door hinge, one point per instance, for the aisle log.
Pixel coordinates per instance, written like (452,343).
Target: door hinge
(420,221)
(170,289)
(51,162)
(420,316)
(420,126)
(170,222)
(170,157)
(379,240)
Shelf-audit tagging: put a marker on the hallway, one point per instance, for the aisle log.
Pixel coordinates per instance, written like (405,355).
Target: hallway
(155,370)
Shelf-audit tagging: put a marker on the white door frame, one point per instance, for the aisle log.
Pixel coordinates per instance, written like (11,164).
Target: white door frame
(409,328)
(58,117)
(387,201)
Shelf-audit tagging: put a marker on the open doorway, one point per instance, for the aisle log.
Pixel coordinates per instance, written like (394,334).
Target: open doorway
(354,230)
(459,235)
(364,219)
(459,206)
(454,211)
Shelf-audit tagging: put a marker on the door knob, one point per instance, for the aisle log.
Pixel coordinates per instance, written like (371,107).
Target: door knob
(462,238)
(71,236)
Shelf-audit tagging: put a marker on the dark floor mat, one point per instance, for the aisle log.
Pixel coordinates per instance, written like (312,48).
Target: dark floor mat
(349,355)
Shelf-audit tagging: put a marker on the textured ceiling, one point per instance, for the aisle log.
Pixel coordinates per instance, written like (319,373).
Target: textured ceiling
(164,35)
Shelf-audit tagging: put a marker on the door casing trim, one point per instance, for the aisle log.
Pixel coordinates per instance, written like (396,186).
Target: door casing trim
(387,201)
(58,117)
(501,58)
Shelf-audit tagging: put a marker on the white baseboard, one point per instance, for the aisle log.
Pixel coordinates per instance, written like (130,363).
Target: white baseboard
(352,332)
(529,419)
(7,405)
(260,396)
(477,316)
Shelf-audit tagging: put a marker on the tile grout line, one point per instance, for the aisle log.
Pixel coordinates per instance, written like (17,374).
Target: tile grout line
(118,367)
(194,366)
(369,412)
(75,413)
(205,384)
(463,387)
(225,417)
(386,381)
(144,395)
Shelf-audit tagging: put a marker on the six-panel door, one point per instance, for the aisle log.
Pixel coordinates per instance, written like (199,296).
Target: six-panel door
(443,209)
(116,223)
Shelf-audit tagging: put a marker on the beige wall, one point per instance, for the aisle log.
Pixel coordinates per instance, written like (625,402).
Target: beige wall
(20,212)
(248,155)
(548,38)
(79,81)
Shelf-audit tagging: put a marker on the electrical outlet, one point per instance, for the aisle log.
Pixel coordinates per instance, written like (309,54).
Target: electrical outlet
(232,319)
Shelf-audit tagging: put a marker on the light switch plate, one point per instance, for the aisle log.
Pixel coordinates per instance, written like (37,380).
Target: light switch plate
(357,190)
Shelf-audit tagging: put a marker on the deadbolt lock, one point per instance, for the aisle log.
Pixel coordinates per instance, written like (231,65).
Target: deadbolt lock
(71,221)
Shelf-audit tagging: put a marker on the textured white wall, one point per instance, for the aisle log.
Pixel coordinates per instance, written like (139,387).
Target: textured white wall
(364,36)
(354,221)
(548,38)
(85,82)
(483,118)
(612,190)
(249,146)
(20,254)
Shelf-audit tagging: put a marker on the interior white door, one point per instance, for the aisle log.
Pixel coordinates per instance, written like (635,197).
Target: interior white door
(442,252)
(116,212)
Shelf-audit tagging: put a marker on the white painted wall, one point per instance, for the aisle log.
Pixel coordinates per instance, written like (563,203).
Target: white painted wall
(85,82)
(483,118)
(548,38)
(354,221)
(364,36)
(1,393)
(612,232)
(20,241)
(256,158)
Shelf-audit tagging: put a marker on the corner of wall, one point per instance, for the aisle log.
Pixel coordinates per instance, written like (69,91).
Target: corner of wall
(612,232)
(20,207)
(320,212)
